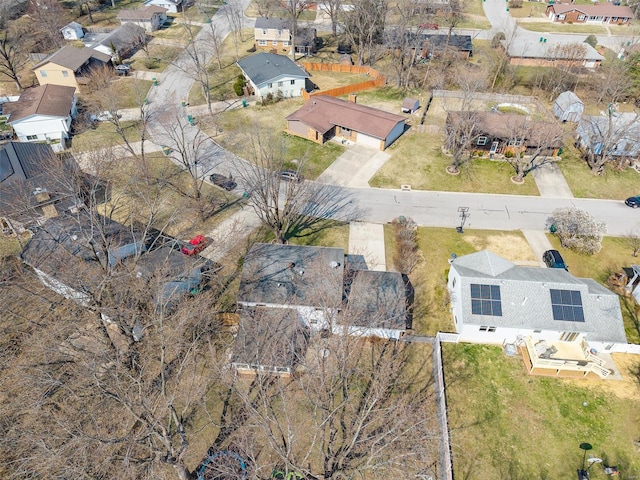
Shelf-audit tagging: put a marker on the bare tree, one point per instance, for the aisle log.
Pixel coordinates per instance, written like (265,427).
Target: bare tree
(577,229)
(333,9)
(347,412)
(86,5)
(609,137)
(364,27)
(47,17)
(267,7)
(452,15)
(293,9)
(614,82)
(531,145)
(12,56)
(234,14)
(632,240)
(187,145)
(288,205)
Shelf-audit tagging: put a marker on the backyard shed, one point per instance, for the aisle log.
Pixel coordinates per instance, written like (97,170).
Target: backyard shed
(568,107)
(410,105)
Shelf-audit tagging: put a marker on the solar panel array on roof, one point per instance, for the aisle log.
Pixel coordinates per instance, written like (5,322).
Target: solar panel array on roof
(567,305)
(485,300)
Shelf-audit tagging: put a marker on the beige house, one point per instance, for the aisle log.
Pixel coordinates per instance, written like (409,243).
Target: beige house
(150,18)
(274,35)
(69,66)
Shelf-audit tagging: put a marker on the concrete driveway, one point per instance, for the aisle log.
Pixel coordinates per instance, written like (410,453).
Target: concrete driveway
(367,239)
(355,167)
(538,242)
(551,182)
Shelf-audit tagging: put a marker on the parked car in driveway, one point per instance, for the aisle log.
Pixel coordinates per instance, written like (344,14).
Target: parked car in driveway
(342,49)
(633,202)
(291,176)
(195,245)
(223,182)
(104,116)
(553,259)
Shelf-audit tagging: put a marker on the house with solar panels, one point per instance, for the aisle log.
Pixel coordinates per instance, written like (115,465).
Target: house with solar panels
(556,319)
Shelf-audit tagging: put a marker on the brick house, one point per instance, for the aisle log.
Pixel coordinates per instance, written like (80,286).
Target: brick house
(600,13)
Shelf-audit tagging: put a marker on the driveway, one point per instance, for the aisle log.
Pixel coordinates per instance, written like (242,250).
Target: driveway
(551,182)
(355,167)
(538,242)
(367,240)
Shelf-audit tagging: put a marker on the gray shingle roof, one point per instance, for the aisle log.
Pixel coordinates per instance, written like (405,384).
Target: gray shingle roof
(124,38)
(521,48)
(526,300)
(623,133)
(274,23)
(565,99)
(292,275)
(265,67)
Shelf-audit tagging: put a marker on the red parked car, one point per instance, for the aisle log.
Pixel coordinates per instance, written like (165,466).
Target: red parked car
(195,245)
(428,26)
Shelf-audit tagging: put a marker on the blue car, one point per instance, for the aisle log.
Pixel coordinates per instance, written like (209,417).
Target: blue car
(633,202)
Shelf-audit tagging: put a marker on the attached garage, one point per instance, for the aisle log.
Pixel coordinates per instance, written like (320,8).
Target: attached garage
(327,117)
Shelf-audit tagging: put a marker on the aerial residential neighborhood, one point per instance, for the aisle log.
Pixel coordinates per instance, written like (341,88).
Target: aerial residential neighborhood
(320,240)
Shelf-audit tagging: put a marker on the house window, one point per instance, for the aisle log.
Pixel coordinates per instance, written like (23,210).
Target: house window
(293,82)
(485,300)
(262,43)
(280,84)
(581,17)
(482,141)
(269,85)
(569,336)
(274,43)
(32,137)
(43,73)
(566,305)
(562,16)
(516,143)
(485,328)
(614,19)
(453,284)
(285,44)
(279,33)
(264,32)
(65,73)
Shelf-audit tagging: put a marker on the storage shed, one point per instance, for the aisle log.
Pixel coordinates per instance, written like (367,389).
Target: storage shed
(410,105)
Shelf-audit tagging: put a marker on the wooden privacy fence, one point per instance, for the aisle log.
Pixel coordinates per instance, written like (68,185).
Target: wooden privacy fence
(377,78)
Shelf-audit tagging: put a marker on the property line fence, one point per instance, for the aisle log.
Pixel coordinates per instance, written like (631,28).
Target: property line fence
(377,79)
(446,466)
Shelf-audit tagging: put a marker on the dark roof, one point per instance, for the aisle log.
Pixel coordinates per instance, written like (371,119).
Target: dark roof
(270,337)
(505,125)
(273,23)
(67,243)
(27,168)
(264,67)
(440,41)
(375,299)
(124,37)
(292,275)
(48,100)
(167,262)
(322,113)
(73,58)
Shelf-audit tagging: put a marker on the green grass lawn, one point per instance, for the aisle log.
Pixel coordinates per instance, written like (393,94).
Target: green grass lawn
(103,136)
(417,160)
(160,57)
(329,234)
(177,32)
(505,424)
(612,184)
(554,27)
(529,9)
(236,124)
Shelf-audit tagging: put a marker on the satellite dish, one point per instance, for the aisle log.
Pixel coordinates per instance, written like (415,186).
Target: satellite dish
(586,446)
(593,460)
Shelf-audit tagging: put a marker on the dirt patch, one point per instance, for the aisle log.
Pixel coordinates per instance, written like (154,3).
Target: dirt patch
(511,246)
(627,388)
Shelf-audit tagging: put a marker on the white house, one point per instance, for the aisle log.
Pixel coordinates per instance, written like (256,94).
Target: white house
(72,31)
(568,107)
(302,290)
(172,6)
(494,301)
(43,114)
(268,73)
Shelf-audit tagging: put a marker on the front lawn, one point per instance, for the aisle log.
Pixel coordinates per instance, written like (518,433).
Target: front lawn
(271,118)
(417,160)
(505,424)
(104,135)
(160,57)
(613,184)
(555,27)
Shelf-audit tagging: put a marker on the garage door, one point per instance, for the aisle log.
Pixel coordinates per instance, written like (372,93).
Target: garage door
(368,141)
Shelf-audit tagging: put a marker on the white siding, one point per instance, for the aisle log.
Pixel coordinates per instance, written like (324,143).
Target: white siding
(286,89)
(54,128)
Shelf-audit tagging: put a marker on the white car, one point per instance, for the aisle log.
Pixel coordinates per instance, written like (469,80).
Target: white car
(104,116)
